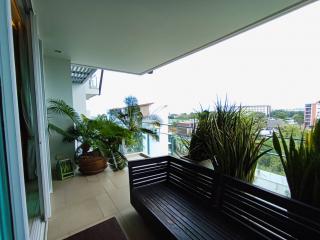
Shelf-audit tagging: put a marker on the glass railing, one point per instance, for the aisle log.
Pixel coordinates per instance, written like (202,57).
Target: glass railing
(269,173)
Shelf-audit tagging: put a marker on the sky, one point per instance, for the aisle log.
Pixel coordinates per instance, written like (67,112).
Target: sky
(277,64)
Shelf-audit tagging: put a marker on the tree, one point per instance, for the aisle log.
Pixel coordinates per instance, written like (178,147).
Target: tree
(299,118)
(259,118)
(280,114)
(131,118)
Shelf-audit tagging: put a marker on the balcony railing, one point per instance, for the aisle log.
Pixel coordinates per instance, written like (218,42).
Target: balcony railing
(269,173)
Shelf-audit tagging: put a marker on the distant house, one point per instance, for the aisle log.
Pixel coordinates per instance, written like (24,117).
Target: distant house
(184,128)
(144,109)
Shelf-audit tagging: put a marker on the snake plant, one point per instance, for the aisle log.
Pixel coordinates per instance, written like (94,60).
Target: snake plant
(301,164)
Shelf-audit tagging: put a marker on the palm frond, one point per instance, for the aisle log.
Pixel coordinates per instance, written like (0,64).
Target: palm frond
(59,106)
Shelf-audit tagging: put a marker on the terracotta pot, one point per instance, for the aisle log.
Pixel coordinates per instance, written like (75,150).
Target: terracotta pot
(92,164)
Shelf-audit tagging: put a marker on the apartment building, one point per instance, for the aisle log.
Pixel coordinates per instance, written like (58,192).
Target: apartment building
(311,113)
(266,109)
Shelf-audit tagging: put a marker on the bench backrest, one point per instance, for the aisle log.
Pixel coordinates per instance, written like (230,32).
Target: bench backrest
(148,171)
(269,214)
(193,179)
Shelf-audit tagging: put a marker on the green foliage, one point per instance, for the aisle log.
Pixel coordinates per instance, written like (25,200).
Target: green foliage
(197,146)
(98,135)
(105,134)
(271,161)
(231,140)
(179,145)
(259,118)
(298,116)
(280,114)
(131,118)
(301,164)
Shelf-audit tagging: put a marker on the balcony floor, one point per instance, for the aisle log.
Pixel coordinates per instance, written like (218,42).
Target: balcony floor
(83,201)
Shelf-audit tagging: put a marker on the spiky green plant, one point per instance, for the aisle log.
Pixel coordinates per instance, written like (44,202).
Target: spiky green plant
(196,146)
(301,164)
(232,141)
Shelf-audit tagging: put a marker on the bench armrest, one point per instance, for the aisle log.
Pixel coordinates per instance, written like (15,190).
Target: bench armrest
(147,171)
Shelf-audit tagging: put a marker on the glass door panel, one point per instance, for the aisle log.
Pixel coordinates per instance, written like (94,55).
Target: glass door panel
(5,208)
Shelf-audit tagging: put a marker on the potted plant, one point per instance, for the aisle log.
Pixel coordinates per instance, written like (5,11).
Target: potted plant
(230,139)
(301,164)
(99,138)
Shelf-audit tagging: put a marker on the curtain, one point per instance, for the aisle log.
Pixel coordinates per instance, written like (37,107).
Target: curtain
(27,107)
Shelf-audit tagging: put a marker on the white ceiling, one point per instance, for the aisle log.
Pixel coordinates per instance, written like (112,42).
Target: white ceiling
(141,35)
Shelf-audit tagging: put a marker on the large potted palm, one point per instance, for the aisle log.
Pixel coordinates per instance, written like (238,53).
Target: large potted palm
(98,139)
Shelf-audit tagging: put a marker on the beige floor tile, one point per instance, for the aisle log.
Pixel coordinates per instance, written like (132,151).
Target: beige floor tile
(121,179)
(54,230)
(80,202)
(79,216)
(120,197)
(58,201)
(134,225)
(93,178)
(107,184)
(106,205)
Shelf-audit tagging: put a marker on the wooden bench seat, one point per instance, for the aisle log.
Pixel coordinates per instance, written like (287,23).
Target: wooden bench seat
(184,217)
(182,200)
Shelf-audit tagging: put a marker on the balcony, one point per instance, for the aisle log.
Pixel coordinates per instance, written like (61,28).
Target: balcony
(83,201)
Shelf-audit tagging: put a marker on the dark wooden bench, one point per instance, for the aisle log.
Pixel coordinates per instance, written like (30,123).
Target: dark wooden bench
(182,200)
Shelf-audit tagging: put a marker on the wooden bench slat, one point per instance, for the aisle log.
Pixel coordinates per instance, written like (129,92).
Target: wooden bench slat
(188,201)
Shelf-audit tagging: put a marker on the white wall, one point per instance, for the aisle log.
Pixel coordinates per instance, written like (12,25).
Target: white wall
(58,85)
(79,97)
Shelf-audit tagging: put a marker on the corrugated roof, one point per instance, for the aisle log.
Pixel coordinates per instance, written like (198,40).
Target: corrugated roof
(80,74)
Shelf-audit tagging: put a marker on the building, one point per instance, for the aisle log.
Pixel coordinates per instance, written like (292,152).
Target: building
(145,109)
(86,83)
(311,113)
(184,128)
(50,49)
(266,109)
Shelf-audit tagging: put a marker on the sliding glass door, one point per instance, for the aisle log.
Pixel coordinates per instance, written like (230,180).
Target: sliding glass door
(5,208)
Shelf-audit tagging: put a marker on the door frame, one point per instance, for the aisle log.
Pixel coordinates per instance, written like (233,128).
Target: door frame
(43,161)
(12,125)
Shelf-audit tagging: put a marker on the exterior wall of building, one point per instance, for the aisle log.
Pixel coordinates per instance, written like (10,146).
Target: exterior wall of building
(79,97)
(58,85)
(317,115)
(155,148)
(266,109)
(311,114)
(145,110)
(307,115)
